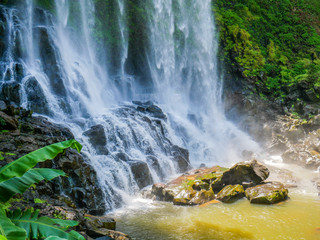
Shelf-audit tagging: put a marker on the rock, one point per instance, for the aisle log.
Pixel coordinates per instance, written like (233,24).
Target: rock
(156,112)
(202,197)
(50,61)
(10,92)
(37,101)
(154,163)
(199,185)
(7,122)
(97,138)
(102,232)
(141,173)
(3,105)
(158,190)
(184,197)
(95,222)
(267,193)
(35,132)
(181,158)
(231,193)
(251,171)
(150,108)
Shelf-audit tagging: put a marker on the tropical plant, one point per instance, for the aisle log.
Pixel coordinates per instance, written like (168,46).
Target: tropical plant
(17,177)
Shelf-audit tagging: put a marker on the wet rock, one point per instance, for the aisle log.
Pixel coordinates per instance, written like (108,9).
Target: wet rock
(37,101)
(199,185)
(95,222)
(96,135)
(202,197)
(97,138)
(7,122)
(150,108)
(231,193)
(184,197)
(248,172)
(3,105)
(154,163)
(267,193)
(162,193)
(141,173)
(50,61)
(18,72)
(181,158)
(155,111)
(10,92)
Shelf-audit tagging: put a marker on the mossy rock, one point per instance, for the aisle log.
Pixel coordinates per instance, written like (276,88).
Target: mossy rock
(198,185)
(202,197)
(268,193)
(231,193)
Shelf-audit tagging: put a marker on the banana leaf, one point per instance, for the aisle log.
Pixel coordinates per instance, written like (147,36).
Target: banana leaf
(20,184)
(8,230)
(54,238)
(42,227)
(20,166)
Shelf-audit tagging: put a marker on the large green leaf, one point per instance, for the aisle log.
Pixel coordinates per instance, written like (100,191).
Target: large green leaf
(54,238)
(18,167)
(20,184)
(9,230)
(41,227)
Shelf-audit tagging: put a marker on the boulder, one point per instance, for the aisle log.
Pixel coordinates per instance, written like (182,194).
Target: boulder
(95,222)
(267,193)
(231,193)
(245,172)
(203,196)
(97,138)
(184,197)
(141,173)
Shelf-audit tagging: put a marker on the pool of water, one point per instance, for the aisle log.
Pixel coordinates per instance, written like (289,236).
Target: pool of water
(297,218)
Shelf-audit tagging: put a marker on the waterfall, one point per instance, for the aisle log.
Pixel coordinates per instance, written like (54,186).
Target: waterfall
(84,72)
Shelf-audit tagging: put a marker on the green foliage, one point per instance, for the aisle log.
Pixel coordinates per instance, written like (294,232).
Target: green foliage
(275,43)
(9,230)
(18,176)
(20,166)
(38,200)
(39,227)
(20,184)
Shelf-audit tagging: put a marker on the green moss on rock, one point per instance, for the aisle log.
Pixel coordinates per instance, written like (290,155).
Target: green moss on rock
(231,193)
(268,193)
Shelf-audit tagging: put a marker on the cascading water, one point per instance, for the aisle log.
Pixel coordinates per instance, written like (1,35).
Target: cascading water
(52,63)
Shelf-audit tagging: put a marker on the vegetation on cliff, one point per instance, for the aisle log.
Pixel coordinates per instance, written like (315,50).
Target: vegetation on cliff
(274,46)
(17,177)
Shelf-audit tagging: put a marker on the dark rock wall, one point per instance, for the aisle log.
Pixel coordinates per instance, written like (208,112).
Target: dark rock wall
(31,133)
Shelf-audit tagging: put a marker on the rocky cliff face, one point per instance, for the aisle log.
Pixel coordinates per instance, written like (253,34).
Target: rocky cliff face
(21,133)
